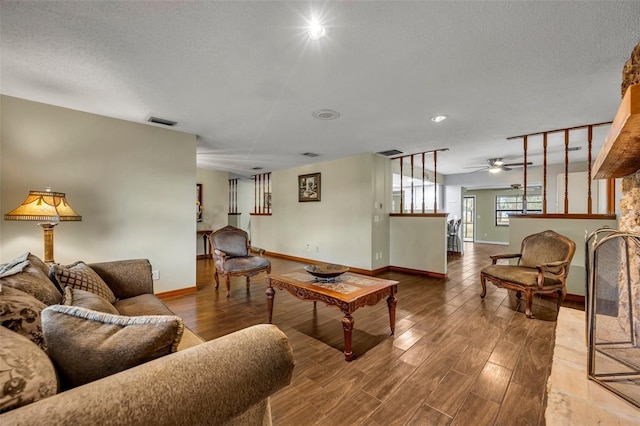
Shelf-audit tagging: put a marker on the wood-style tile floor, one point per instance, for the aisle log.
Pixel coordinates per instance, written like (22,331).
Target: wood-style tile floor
(455,359)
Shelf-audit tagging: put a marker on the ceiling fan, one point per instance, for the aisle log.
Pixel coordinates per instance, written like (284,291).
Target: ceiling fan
(497,165)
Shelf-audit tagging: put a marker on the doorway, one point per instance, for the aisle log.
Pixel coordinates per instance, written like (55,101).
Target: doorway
(468,218)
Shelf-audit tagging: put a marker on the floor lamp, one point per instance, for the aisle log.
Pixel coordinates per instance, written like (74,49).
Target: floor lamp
(48,208)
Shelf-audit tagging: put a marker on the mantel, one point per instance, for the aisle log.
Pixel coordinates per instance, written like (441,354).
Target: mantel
(620,155)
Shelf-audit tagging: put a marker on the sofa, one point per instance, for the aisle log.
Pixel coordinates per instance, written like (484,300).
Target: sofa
(181,380)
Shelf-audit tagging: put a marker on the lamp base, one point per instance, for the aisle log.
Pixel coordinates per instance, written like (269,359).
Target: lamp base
(48,241)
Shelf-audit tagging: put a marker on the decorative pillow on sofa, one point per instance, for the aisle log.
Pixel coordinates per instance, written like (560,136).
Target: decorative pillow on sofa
(87,345)
(79,275)
(85,299)
(20,312)
(26,273)
(26,372)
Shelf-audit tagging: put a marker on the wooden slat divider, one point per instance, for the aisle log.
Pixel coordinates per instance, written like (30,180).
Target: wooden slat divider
(435,182)
(524,193)
(589,147)
(544,173)
(566,171)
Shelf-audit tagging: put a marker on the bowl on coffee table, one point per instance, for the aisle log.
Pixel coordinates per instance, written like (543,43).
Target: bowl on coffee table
(326,271)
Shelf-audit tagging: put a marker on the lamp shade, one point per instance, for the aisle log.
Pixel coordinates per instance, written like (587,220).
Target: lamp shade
(44,206)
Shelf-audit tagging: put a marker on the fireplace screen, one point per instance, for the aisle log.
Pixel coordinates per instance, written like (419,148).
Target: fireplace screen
(613,311)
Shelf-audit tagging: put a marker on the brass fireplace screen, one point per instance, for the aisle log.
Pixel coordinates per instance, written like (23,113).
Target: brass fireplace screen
(613,311)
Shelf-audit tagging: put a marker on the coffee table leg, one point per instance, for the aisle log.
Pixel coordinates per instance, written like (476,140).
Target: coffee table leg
(270,294)
(347,325)
(391,302)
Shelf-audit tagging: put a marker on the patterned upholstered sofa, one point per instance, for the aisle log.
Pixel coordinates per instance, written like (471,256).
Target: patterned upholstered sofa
(71,356)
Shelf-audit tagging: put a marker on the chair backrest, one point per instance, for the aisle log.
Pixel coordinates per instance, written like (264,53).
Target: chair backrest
(546,247)
(231,240)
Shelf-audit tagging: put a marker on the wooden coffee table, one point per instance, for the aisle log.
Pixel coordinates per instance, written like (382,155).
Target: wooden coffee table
(349,292)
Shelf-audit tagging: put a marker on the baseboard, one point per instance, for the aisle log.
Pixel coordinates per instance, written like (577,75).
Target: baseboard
(575,298)
(204,256)
(418,272)
(179,292)
(498,243)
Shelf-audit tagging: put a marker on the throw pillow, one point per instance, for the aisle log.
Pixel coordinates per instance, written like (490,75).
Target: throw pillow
(27,373)
(87,345)
(20,312)
(38,263)
(82,277)
(85,299)
(32,280)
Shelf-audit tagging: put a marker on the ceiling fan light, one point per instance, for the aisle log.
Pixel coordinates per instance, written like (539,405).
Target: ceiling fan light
(494,170)
(498,162)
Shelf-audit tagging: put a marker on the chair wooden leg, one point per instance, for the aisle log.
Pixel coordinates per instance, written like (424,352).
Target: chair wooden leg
(484,285)
(248,281)
(228,286)
(561,295)
(529,301)
(215,275)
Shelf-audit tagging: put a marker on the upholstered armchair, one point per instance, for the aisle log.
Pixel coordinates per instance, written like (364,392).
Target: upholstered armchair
(232,256)
(542,268)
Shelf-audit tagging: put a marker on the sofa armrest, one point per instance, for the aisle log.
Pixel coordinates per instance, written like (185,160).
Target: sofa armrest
(211,383)
(126,278)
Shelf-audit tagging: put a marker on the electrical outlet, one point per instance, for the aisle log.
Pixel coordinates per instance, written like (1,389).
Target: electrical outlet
(308,247)
(155,274)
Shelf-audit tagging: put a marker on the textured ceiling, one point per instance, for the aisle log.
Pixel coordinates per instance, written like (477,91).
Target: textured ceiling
(245,78)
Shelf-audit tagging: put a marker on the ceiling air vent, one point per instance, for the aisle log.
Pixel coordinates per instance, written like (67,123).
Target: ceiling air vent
(162,121)
(390,153)
(311,154)
(256,168)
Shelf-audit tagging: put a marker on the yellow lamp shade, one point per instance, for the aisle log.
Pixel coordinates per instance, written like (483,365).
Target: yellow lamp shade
(44,206)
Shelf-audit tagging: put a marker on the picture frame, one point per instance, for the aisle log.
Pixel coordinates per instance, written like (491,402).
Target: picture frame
(199,202)
(309,188)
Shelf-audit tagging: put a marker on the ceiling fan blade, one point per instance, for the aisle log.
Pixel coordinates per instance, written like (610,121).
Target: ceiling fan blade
(506,169)
(529,163)
(480,170)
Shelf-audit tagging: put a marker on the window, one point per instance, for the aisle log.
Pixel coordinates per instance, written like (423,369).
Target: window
(509,204)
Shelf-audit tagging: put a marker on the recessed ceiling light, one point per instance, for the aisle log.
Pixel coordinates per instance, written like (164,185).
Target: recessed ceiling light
(326,114)
(438,118)
(316,30)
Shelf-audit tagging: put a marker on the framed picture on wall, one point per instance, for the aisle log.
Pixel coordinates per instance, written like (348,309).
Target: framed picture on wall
(199,202)
(309,187)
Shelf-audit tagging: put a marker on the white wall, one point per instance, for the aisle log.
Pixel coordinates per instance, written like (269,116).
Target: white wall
(419,243)
(337,229)
(575,229)
(133,184)
(246,200)
(215,200)
(453,201)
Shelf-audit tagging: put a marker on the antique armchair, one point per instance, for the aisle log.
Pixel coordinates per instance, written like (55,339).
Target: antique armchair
(232,256)
(542,268)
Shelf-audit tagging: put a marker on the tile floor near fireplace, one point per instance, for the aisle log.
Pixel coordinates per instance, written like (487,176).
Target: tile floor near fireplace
(572,398)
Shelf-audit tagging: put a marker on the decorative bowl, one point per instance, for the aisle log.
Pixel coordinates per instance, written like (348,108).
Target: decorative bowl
(326,270)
